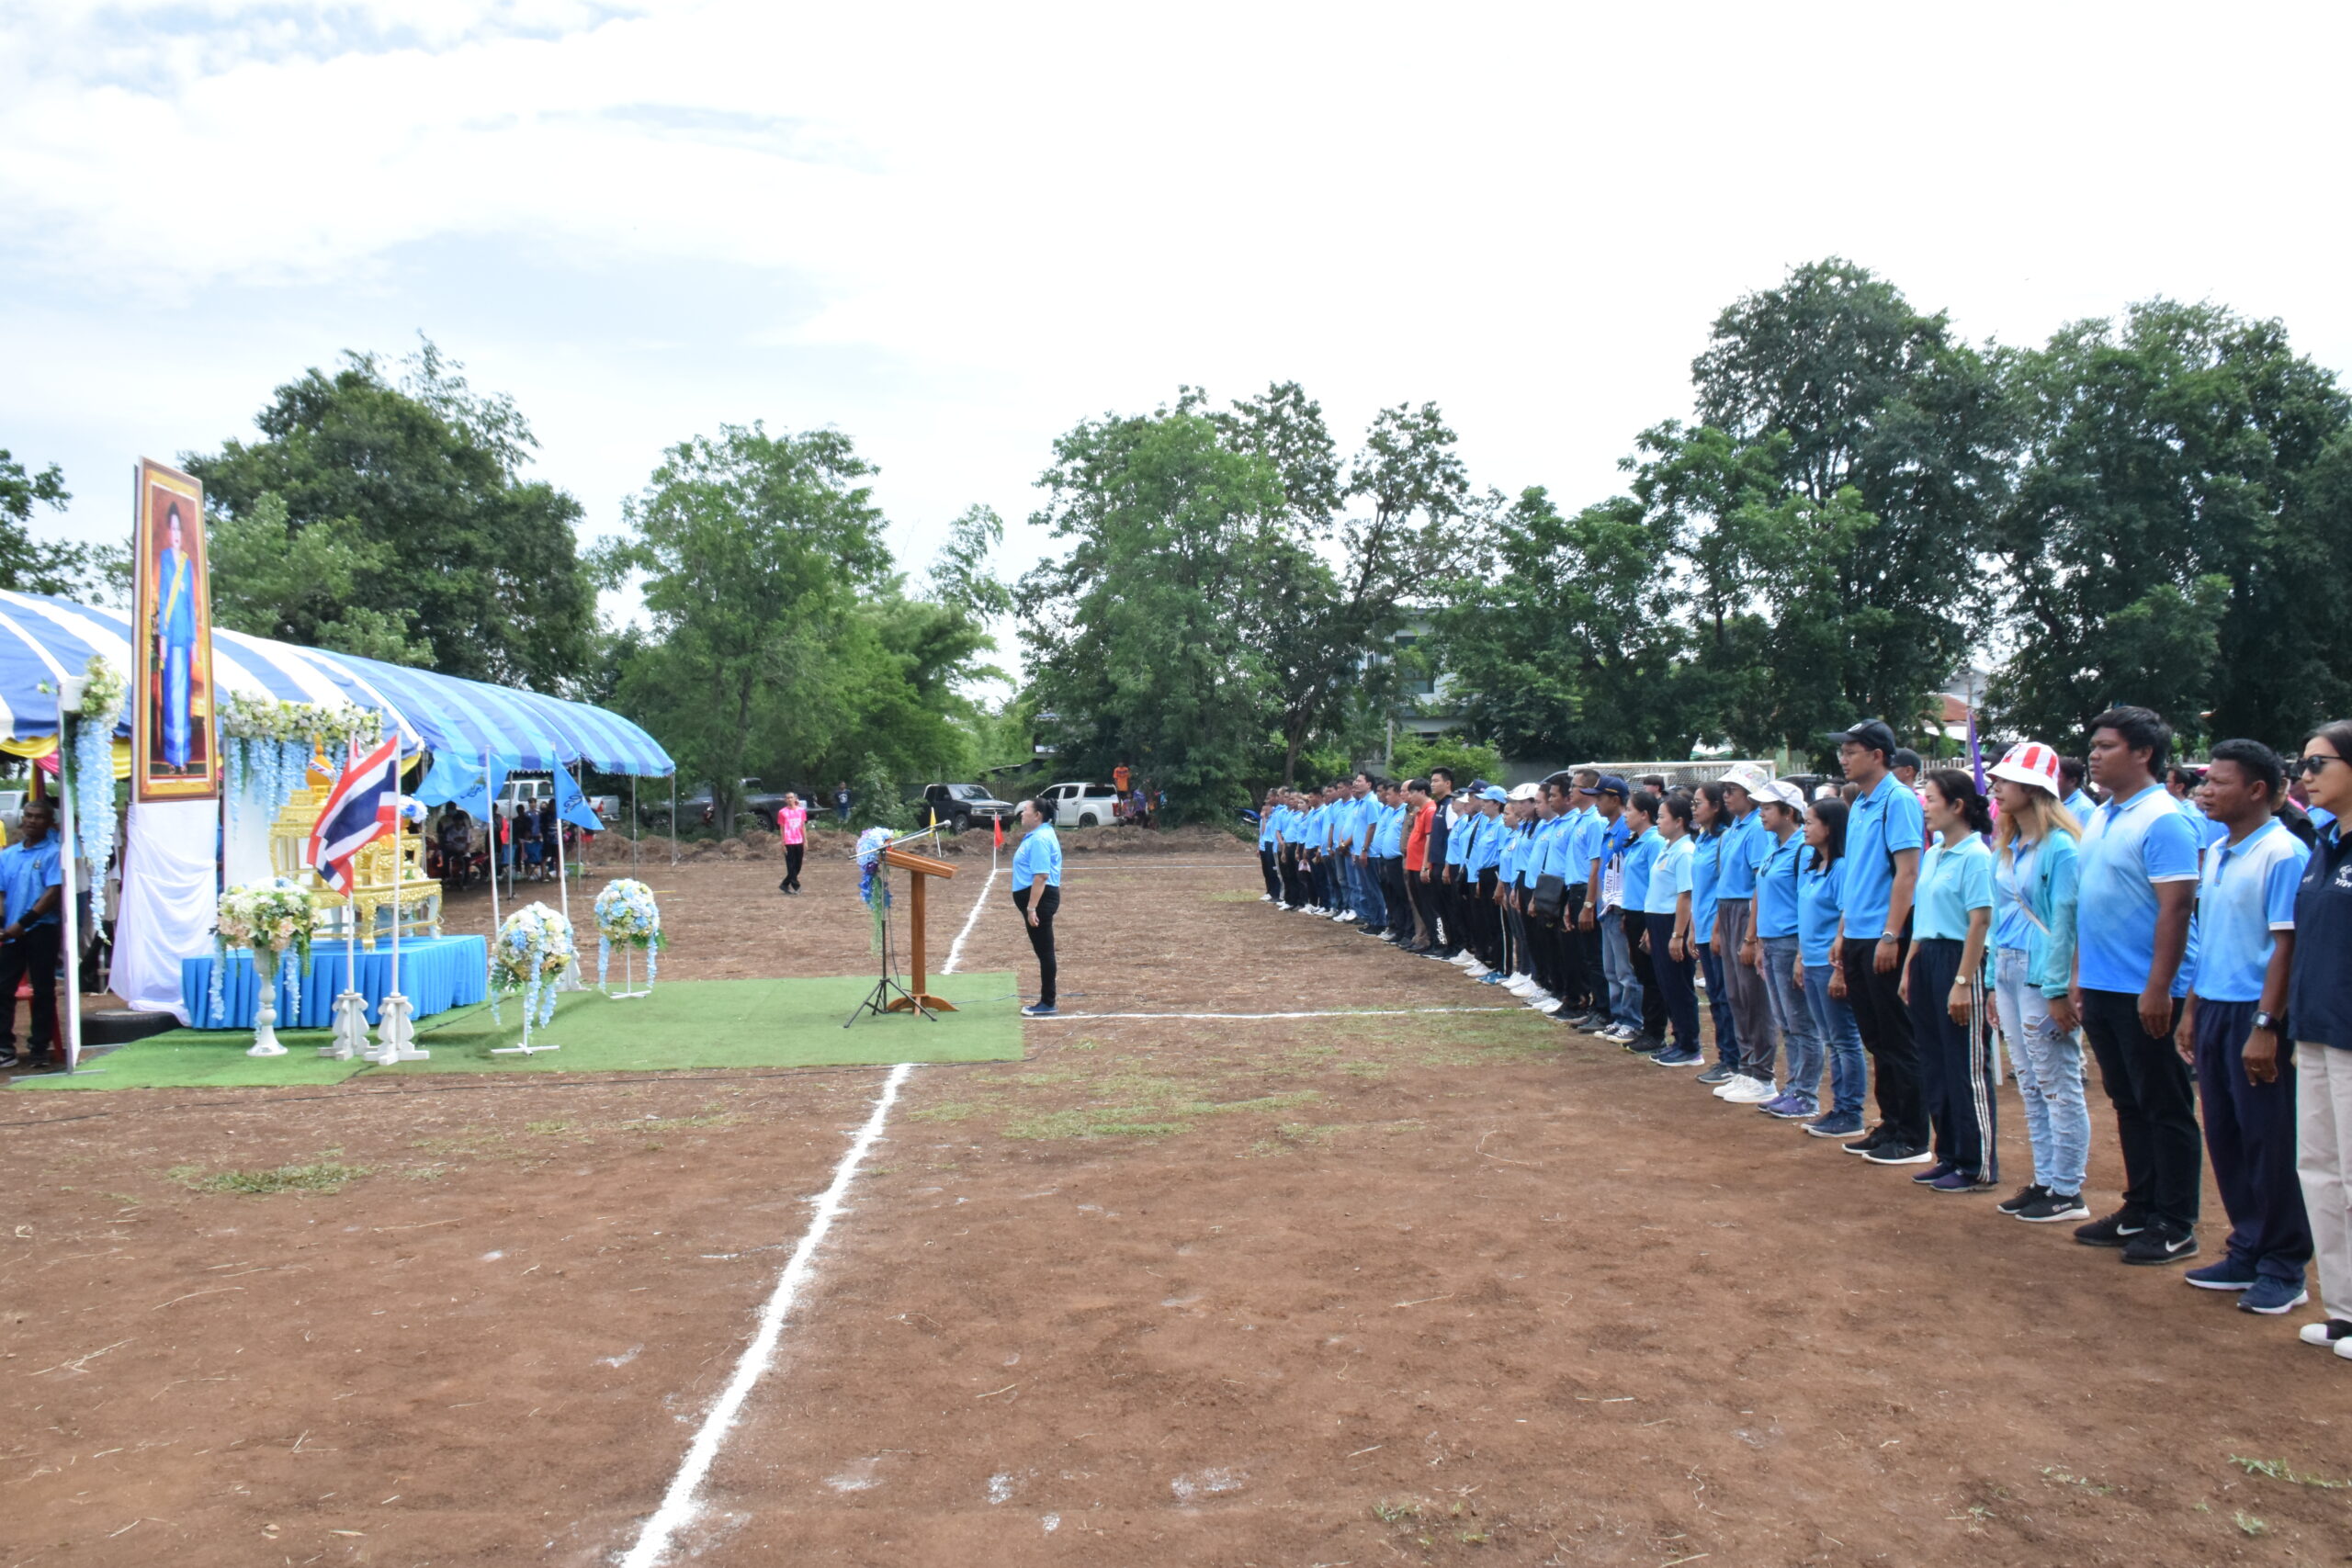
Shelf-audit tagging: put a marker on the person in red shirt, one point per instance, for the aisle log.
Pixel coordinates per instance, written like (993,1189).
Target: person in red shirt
(1419,813)
(791,823)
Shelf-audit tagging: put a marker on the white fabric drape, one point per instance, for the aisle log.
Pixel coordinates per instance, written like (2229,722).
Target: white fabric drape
(169,892)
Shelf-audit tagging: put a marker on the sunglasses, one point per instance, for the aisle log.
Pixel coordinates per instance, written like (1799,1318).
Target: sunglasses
(2306,766)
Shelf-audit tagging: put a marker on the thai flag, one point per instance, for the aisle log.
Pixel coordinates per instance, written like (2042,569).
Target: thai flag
(361,809)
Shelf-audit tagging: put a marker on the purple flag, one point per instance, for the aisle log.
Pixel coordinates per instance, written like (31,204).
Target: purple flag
(1975,754)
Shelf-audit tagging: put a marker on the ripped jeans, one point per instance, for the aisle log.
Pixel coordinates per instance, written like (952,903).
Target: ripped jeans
(2049,1067)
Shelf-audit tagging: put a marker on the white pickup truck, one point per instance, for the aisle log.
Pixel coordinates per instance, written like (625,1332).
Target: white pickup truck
(529,792)
(1078,805)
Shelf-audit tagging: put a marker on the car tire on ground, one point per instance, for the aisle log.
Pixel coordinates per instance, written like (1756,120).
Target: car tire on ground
(1088,820)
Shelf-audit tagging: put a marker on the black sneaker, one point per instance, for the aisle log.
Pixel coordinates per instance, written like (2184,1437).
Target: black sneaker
(1645,1044)
(9,1059)
(2116,1230)
(1717,1074)
(2051,1207)
(1935,1173)
(1896,1152)
(2025,1198)
(1867,1142)
(2159,1245)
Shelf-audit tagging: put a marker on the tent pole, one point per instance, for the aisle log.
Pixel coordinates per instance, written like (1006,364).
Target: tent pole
(636,825)
(563,891)
(68,852)
(673,816)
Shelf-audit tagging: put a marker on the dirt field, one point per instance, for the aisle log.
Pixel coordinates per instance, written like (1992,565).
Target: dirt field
(1172,1291)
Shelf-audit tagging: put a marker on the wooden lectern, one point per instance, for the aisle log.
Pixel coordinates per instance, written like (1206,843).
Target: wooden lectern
(920,869)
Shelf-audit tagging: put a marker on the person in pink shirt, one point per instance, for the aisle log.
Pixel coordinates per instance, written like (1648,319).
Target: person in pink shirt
(792,821)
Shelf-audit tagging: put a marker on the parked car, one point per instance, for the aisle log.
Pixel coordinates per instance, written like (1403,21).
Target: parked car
(12,810)
(958,805)
(1078,805)
(754,802)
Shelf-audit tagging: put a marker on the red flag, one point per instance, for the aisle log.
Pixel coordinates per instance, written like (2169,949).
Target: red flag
(1000,832)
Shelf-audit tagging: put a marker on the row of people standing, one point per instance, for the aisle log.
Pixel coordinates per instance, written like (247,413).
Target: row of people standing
(1863,943)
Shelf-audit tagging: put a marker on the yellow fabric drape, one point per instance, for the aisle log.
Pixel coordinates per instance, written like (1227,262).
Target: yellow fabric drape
(46,745)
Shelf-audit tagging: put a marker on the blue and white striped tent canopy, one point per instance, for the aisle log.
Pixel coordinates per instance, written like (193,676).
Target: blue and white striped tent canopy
(43,640)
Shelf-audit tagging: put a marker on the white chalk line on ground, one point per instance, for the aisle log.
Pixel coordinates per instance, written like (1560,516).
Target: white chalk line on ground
(1334,1012)
(678,1506)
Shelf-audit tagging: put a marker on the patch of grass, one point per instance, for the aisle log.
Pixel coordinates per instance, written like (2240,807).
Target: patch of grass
(425,1172)
(2054,1474)
(547,1129)
(2278,1470)
(950,1110)
(2251,1525)
(1375,1071)
(1393,1510)
(1092,1121)
(321,1175)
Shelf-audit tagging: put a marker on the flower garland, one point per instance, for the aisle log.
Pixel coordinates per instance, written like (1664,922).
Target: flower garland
(873,878)
(627,914)
(532,950)
(268,745)
(92,759)
(274,918)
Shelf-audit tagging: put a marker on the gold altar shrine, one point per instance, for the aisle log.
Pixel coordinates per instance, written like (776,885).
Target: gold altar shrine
(414,898)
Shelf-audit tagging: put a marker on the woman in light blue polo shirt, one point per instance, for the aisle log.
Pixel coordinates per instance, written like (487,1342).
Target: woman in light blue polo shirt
(1038,894)
(1665,914)
(1772,937)
(1821,899)
(1944,985)
(1713,820)
(2036,869)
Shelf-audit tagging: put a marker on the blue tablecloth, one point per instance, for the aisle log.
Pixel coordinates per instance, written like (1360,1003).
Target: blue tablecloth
(436,973)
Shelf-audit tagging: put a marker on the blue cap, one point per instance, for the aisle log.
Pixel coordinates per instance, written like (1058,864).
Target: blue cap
(1612,784)
(1494,794)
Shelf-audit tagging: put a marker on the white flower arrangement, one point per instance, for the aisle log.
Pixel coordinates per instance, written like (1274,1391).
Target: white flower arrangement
(274,918)
(91,758)
(626,915)
(268,745)
(532,950)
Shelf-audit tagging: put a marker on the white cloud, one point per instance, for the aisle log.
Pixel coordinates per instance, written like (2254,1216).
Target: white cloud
(953,231)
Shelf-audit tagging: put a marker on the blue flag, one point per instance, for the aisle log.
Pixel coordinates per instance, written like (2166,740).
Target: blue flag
(573,806)
(483,781)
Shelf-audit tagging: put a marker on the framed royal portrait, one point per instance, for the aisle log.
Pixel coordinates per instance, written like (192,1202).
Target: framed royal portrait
(174,744)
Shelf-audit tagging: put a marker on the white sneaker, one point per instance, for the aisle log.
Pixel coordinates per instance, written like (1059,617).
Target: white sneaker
(1519,985)
(1750,1091)
(1462,959)
(1736,1081)
(1617,1034)
(1477,970)
(2320,1334)
(1265,898)
(1542,1000)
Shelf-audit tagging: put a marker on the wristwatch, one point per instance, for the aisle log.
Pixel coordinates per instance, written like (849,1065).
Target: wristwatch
(2265,1021)
(1889,936)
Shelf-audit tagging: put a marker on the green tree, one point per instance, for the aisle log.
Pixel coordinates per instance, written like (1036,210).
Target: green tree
(312,586)
(1139,639)
(1878,398)
(419,483)
(40,566)
(2179,493)
(1564,645)
(754,552)
(1350,550)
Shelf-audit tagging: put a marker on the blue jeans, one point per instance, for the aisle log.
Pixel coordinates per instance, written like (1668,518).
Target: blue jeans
(1833,1021)
(1719,1008)
(1617,964)
(1370,901)
(1799,1035)
(2049,1067)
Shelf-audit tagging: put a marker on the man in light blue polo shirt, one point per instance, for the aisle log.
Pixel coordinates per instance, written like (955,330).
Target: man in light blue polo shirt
(1579,919)
(1738,856)
(2245,949)
(1038,894)
(2072,772)
(31,881)
(2135,950)
(1885,831)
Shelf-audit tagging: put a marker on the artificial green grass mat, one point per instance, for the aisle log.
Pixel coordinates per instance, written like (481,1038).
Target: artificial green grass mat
(685,1024)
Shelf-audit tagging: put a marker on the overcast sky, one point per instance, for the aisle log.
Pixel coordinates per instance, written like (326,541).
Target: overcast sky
(954,232)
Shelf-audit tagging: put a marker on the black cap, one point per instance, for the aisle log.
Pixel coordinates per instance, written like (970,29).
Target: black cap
(1872,733)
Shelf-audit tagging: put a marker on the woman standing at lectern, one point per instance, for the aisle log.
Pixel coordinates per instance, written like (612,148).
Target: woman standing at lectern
(1038,893)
